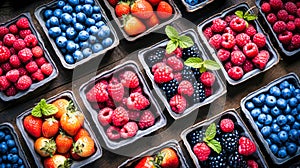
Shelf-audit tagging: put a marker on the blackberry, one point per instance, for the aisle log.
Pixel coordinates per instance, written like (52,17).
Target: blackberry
(199,92)
(156,56)
(170,88)
(229,141)
(236,160)
(196,137)
(191,52)
(219,131)
(196,73)
(218,160)
(188,74)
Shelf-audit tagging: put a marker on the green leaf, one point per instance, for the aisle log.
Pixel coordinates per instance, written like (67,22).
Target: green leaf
(215,145)
(194,62)
(42,103)
(49,109)
(36,111)
(171,46)
(250,17)
(171,32)
(211,131)
(185,42)
(211,65)
(202,69)
(239,14)
(247,24)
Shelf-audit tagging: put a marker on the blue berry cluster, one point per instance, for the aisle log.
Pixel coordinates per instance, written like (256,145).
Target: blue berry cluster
(9,151)
(78,28)
(277,114)
(194,2)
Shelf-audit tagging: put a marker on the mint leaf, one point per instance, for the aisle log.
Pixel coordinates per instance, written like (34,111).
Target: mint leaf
(211,131)
(171,32)
(211,65)
(49,109)
(215,145)
(42,103)
(250,17)
(36,111)
(171,46)
(202,69)
(194,62)
(239,14)
(185,42)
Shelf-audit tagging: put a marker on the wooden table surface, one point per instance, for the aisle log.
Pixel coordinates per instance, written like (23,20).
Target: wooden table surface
(72,80)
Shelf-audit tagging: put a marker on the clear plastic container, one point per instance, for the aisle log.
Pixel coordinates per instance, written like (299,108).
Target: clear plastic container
(192,8)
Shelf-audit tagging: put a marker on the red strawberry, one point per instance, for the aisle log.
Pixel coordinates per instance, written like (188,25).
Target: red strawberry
(50,127)
(25,55)
(129,130)
(33,125)
(163,74)
(178,104)
(120,116)
(169,158)
(113,133)
(142,9)
(152,21)
(4,53)
(147,119)
(175,63)
(122,8)
(4,83)
(98,93)
(105,116)
(186,88)
(261,59)
(207,78)
(22,23)
(12,75)
(137,101)
(227,125)
(24,82)
(115,90)
(246,146)
(133,26)
(129,79)
(154,2)
(164,10)
(202,151)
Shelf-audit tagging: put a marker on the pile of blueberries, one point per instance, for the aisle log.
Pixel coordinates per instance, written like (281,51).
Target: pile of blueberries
(194,2)
(277,115)
(9,151)
(78,28)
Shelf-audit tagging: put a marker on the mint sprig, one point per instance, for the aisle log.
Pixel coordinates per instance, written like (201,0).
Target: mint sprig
(196,62)
(176,40)
(246,16)
(210,134)
(43,108)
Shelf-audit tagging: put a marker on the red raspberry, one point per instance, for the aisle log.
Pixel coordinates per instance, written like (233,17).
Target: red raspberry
(218,25)
(261,59)
(208,91)
(9,40)
(285,37)
(237,58)
(250,50)
(208,32)
(296,41)
(113,133)
(31,67)
(246,146)
(14,61)
(202,151)
(229,30)
(283,15)
(38,76)
(12,51)
(156,66)
(178,104)
(238,24)
(147,119)
(290,7)
(175,63)
(37,51)
(298,12)
(31,40)
(115,90)
(41,61)
(138,89)
(6,67)
(279,27)
(178,76)
(252,164)
(110,103)
(134,115)
(105,116)
(4,53)
(25,55)
(290,26)
(24,82)
(265,7)
(229,18)
(137,101)
(11,91)
(178,52)
(228,41)
(272,19)
(186,88)
(129,130)
(236,48)
(163,74)
(129,79)
(120,116)
(248,66)
(1,71)
(3,31)
(4,83)
(208,78)
(19,44)
(298,4)
(47,69)
(22,23)
(13,29)
(223,54)
(97,93)
(22,71)
(291,17)
(227,125)
(297,23)
(24,33)
(227,66)
(235,73)
(242,39)
(260,40)
(216,41)
(276,4)
(12,75)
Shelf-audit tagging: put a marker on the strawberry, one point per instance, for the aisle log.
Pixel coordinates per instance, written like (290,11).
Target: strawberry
(113,2)
(120,116)
(105,116)
(147,119)
(63,143)
(12,75)
(137,101)
(24,82)
(178,104)
(4,53)
(246,146)
(163,74)
(75,156)
(50,127)
(72,121)
(98,93)
(261,59)
(227,125)
(62,105)
(202,151)
(146,162)
(57,161)
(152,21)
(129,130)
(164,10)
(33,125)
(175,63)
(45,147)
(122,8)
(154,2)
(142,9)
(84,146)
(167,158)
(133,26)
(115,90)
(47,69)
(80,133)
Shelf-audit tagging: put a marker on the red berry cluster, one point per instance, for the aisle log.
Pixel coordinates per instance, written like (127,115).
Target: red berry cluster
(22,60)
(239,46)
(284,16)
(122,104)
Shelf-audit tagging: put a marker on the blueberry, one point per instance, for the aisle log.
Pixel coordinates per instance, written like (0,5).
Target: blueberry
(89,2)
(94,30)
(270,101)
(87,9)
(4,158)
(293,102)
(20,161)
(3,148)
(84,45)
(262,118)
(81,1)
(265,109)
(293,135)
(286,128)
(281,120)
(48,24)
(97,48)
(266,131)
(61,4)
(61,41)
(275,128)
(255,112)
(66,18)
(284,84)
(96,9)
(294,112)
(2,135)
(286,93)
(69,59)
(291,148)
(192,2)
(8,165)
(262,97)
(92,39)
(71,47)
(275,91)
(298,117)
(11,143)
(48,13)
(290,119)
(257,102)
(296,93)
(81,17)
(107,42)
(83,35)
(296,125)
(57,13)
(13,150)
(292,88)
(249,106)
(100,24)
(87,52)
(10,157)
(78,8)
(90,22)
(79,27)
(104,32)
(269,119)
(281,103)
(67,9)
(74,20)
(287,110)
(274,148)
(63,27)
(15,165)
(54,21)
(259,125)
(63,50)
(77,46)
(54,32)
(77,55)
(63,34)
(282,153)
(97,17)
(73,2)
(274,138)
(298,107)
(71,33)
(269,141)
(283,136)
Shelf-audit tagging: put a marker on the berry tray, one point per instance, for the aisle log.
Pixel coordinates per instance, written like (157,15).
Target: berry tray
(160,120)
(246,102)
(274,56)
(192,8)
(47,56)
(69,65)
(176,14)
(219,88)
(170,144)
(68,95)
(239,125)
(8,129)
(271,31)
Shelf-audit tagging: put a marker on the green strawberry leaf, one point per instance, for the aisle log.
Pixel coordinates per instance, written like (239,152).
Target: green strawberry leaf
(194,62)
(49,109)
(36,111)
(239,14)
(202,69)
(211,65)
(215,145)
(211,131)
(171,46)
(171,32)
(185,42)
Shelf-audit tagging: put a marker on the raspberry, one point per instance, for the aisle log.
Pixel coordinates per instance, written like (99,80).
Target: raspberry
(296,41)
(298,12)
(4,53)
(208,91)
(252,164)
(223,54)
(227,125)
(24,33)
(13,29)
(24,82)
(6,67)
(147,119)
(247,66)
(218,25)
(38,75)
(265,7)
(105,116)
(236,48)
(279,27)
(31,40)
(229,30)
(178,103)
(202,151)
(208,32)
(115,90)
(229,18)
(297,23)
(11,91)
(47,69)
(4,83)
(1,71)
(12,50)
(138,89)
(185,88)
(137,101)
(3,31)
(227,66)
(113,133)
(242,39)
(175,63)
(290,7)
(290,26)
(207,78)
(228,41)
(237,58)
(31,67)
(110,103)
(260,40)
(40,61)
(156,66)
(9,40)
(22,23)
(14,61)
(235,73)
(298,4)
(19,44)
(134,115)
(283,15)
(178,76)
(12,75)
(129,130)
(22,71)
(216,41)
(246,146)
(272,19)
(25,55)
(238,24)
(163,74)
(97,93)
(120,116)
(276,4)
(37,51)
(285,37)
(250,50)
(261,59)
(129,79)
